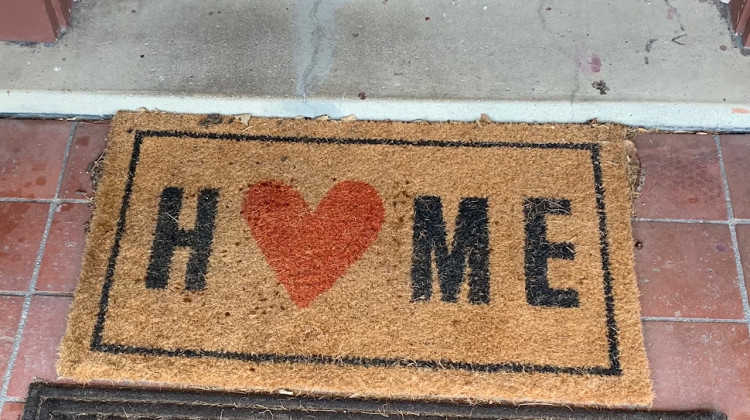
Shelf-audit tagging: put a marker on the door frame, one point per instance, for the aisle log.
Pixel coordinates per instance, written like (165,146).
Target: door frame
(34,20)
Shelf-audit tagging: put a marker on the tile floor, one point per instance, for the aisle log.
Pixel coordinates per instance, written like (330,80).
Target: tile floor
(692,250)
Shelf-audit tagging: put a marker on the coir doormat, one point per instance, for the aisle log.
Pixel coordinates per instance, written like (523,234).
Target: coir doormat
(457,261)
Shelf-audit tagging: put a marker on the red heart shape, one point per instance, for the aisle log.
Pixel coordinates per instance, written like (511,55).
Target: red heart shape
(310,250)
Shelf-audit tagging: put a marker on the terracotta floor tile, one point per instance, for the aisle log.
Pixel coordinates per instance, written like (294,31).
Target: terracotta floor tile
(682,177)
(736,151)
(37,356)
(700,366)
(21,230)
(686,270)
(12,411)
(63,254)
(10,315)
(88,144)
(31,155)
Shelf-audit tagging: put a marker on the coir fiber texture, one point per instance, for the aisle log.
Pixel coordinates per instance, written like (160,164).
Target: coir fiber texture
(455,261)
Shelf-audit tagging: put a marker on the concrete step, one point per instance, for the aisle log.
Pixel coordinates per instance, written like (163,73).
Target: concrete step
(665,63)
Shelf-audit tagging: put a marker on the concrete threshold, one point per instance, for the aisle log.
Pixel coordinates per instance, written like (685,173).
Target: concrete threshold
(666,116)
(668,64)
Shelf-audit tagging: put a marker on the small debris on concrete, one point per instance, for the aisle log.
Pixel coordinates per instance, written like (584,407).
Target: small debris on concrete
(601,86)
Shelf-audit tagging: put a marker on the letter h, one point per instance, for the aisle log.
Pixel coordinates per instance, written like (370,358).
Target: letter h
(169,235)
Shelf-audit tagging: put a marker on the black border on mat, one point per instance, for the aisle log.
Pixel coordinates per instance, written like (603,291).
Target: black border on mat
(614,369)
(68,402)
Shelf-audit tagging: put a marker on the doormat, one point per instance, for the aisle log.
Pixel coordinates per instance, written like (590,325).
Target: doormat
(61,402)
(454,261)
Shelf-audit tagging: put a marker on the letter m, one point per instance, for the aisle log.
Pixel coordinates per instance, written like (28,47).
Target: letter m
(470,247)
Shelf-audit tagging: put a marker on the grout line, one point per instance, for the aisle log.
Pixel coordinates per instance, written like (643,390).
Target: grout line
(53,294)
(45,200)
(679,319)
(35,274)
(733,233)
(36,293)
(689,221)
(731,222)
(66,156)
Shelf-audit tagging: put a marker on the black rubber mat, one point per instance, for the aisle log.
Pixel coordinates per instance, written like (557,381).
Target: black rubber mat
(56,402)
